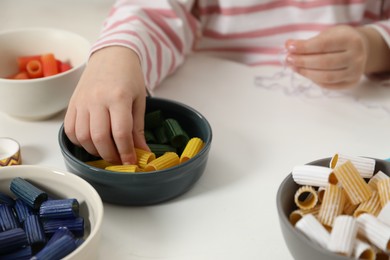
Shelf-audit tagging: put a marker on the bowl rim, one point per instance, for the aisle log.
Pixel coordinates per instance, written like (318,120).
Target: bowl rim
(46,29)
(168,171)
(283,217)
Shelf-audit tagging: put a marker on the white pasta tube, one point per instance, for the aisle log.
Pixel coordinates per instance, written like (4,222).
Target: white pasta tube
(312,175)
(343,235)
(363,250)
(365,166)
(374,231)
(373,182)
(314,230)
(384,214)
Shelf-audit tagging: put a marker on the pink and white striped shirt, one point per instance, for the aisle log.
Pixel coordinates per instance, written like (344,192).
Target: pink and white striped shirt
(163,32)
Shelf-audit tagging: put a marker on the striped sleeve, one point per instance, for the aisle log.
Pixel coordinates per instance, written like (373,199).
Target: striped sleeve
(161,32)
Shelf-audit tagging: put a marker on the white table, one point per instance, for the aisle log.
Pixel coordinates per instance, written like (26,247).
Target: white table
(259,134)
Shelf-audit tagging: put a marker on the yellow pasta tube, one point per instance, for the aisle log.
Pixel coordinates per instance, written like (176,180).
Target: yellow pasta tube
(384,191)
(332,204)
(306,197)
(123,168)
(165,161)
(144,157)
(354,184)
(192,148)
(343,235)
(372,205)
(349,208)
(297,214)
(102,164)
(376,178)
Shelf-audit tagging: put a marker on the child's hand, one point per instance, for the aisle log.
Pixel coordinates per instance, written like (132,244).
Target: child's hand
(336,58)
(106,112)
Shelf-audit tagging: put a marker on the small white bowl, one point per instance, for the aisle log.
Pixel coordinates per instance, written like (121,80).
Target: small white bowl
(41,98)
(65,185)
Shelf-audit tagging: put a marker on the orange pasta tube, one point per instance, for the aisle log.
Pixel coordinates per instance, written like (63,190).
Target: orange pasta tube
(49,65)
(192,148)
(165,161)
(297,214)
(355,186)
(34,69)
(23,60)
(19,75)
(144,157)
(332,204)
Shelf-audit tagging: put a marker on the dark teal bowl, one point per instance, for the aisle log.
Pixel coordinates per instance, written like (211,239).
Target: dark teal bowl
(298,244)
(138,189)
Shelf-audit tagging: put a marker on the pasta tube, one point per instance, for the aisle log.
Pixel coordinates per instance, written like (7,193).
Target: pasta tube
(365,166)
(102,164)
(306,197)
(355,186)
(376,178)
(144,157)
(313,175)
(123,168)
(349,208)
(363,250)
(297,214)
(343,235)
(384,191)
(192,148)
(374,231)
(313,229)
(166,160)
(384,214)
(332,204)
(372,205)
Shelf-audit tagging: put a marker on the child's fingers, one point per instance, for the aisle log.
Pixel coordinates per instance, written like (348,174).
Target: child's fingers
(122,129)
(69,125)
(327,61)
(100,130)
(325,76)
(139,123)
(83,134)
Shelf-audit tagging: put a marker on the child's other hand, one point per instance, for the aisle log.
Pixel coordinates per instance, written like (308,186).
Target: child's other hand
(106,112)
(336,58)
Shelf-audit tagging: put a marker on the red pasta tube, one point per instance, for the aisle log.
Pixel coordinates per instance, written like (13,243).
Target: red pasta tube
(49,65)
(34,69)
(23,60)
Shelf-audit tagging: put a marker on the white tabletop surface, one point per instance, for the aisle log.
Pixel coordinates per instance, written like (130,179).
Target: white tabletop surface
(261,130)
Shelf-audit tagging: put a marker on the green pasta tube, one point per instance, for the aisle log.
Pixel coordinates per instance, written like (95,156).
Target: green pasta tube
(153,119)
(176,135)
(160,149)
(149,136)
(161,135)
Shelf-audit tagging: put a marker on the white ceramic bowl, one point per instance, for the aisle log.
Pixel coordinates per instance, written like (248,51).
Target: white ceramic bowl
(65,185)
(36,99)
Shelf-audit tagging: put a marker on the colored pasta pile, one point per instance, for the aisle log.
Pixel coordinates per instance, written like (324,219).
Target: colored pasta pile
(345,207)
(169,146)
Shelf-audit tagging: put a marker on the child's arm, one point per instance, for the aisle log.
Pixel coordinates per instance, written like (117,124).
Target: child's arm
(339,56)
(141,43)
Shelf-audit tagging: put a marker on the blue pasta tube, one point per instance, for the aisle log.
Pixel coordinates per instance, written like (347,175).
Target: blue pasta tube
(60,232)
(35,234)
(24,253)
(5,199)
(62,208)
(22,210)
(7,218)
(11,240)
(56,250)
(75,225)
(29,193)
